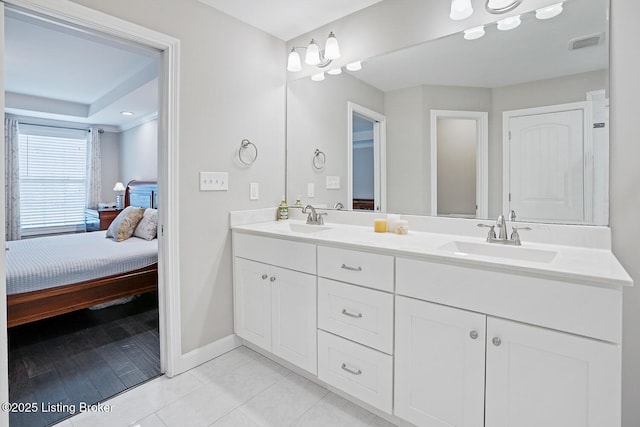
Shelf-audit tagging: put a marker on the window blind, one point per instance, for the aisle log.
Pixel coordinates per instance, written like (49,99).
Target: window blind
(53,173)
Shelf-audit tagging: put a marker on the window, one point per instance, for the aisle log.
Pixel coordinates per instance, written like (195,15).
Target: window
(53,174)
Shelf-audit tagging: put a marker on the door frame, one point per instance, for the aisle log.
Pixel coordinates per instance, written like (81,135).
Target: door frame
(168,163)
(482,157)
(379,155)
(587,123)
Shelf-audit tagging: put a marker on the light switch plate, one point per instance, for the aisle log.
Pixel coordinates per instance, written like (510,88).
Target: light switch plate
(214,181)
(333,182)
(311,190)
(254,191)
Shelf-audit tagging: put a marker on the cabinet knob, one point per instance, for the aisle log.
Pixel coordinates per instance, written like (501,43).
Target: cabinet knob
(264,277)
(473,335)
(273,278)
(496,341)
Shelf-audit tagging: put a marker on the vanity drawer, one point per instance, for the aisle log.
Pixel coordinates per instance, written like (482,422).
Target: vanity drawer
(357,313)
(361,268)
(282,253)
(360,371)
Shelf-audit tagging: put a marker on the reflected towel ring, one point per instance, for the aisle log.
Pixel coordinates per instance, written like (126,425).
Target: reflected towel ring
(248,152)
(319,159)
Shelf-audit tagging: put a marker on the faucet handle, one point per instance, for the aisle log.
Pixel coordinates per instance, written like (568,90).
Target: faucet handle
(515,236)
(320,215)
(492,231)
(512,215)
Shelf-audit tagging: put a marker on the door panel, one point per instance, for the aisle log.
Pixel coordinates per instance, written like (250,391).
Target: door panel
(253,302)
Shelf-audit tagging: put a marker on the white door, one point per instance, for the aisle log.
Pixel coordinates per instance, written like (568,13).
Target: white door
(547,167)
(293,304)
(439,365)
(253,302)
(538,377)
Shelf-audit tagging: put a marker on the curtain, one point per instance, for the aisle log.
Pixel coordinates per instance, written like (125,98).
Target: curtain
(94,169)
(12,179)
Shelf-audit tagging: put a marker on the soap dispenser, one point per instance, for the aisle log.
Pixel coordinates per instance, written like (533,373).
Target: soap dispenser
(283,210)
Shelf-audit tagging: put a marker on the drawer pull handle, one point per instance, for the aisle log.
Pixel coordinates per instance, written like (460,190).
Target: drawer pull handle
(351,371)
(264,277)
(473,335)
(273,278)
(346,313)
(496,341)
(346,267)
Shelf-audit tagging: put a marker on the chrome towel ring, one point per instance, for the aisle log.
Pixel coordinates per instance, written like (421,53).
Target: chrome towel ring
(319,159)
(248,152)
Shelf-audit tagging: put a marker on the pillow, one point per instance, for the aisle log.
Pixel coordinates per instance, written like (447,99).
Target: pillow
(125,223)
(147,228)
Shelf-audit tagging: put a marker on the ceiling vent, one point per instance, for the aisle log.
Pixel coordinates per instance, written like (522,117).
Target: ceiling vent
(588,41)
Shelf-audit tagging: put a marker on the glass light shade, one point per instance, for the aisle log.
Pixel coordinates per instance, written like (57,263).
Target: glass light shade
(474,33)
(293,63)
(549,11)
(354,66)
(317,77)
(313,53)
(460,9)
(500,4)
(119,187)
(335,71)
(509,23)
(331,47)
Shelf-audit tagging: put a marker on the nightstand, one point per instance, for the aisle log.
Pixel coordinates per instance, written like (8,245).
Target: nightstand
(106,216)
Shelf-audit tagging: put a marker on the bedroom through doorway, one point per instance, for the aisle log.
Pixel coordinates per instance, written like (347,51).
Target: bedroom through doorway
(81,338)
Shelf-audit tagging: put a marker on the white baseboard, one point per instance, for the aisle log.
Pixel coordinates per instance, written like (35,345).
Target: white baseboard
(210,351)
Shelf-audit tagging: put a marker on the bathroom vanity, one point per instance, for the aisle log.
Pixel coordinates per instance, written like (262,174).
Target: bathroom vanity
(438,329)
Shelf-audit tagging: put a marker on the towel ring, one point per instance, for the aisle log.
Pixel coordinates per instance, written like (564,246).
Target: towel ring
(248,152)
(319,159)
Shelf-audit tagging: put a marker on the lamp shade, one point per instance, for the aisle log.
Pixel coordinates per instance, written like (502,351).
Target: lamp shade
(460,9)
(313,53)
(509,23)
(354,66)
(474,33)
(293,63)
(331,47)
(549,11)
(317,77)
(500,4)
(119,187)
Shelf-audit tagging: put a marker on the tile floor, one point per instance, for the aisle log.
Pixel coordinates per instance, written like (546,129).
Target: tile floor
(238,389)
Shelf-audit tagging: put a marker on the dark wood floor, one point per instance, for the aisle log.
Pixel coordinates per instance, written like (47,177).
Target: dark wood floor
(85,356)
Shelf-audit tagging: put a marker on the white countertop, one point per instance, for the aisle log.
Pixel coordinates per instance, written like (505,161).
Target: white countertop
(597,267)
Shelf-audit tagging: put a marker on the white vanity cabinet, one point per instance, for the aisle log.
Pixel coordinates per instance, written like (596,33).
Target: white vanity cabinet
(275,307)
(451,369)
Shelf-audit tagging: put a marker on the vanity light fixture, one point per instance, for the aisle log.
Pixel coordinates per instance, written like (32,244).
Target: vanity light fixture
(318,77)
(335,71)
(549,11)
(460,9)
(354,66)
(501,6)
(474,33)
(509,23)
(314,55)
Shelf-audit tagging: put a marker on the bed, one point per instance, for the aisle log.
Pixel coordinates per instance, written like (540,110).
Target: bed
(54,275)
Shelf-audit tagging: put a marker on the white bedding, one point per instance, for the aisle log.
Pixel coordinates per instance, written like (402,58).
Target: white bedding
(47,262)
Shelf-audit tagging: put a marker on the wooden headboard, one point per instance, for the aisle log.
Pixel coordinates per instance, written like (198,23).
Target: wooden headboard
(141,193)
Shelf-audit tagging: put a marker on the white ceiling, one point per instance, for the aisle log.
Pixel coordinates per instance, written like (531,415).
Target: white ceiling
(287,19)
(57,72)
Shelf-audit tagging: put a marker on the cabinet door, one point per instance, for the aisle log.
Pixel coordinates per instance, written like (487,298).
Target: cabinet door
(439,365)
(539,377)
(252,294)
(293,303)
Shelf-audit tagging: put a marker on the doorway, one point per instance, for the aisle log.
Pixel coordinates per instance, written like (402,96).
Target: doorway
(459,178)
(366,148)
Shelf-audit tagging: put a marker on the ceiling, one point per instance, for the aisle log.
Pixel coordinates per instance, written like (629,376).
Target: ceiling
(287,19)
(61,73)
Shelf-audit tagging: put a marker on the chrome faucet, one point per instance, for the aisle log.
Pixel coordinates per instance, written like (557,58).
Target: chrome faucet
(314,217)
(502,232)
(338,206)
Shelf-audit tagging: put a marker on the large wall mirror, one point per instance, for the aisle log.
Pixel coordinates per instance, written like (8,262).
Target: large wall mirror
(515,120)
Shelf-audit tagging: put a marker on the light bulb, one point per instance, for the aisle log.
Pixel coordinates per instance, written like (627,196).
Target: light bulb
(331,47)
(549,11)
(293,63)
(335,71)
(460,9)
(509,23)
(313,53)
(317,77)
(474,33)
(354,66)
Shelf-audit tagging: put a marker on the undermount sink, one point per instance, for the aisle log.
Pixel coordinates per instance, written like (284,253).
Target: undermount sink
(499,251)
(306,228)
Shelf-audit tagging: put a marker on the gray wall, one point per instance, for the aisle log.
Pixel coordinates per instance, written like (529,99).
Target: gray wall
(227,93)
(138,153)
(110,165)
(625,188)
(317,118)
